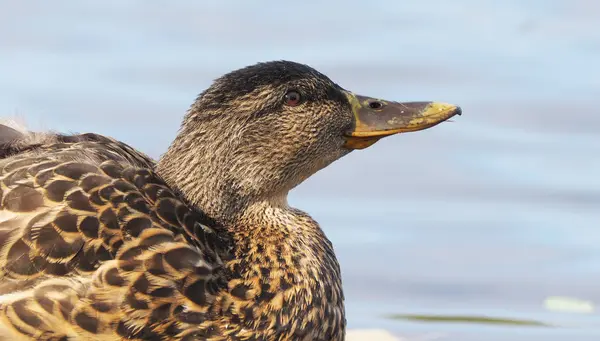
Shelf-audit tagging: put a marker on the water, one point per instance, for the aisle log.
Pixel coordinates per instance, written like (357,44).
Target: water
(488,215)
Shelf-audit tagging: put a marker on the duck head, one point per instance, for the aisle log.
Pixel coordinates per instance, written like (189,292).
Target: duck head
(258,132)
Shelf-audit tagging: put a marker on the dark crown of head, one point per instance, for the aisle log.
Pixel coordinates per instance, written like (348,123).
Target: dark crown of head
(275,73)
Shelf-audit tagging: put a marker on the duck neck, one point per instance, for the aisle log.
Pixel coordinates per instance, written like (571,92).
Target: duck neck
(198,165)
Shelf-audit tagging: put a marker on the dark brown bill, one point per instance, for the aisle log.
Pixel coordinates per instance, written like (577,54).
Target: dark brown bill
(376,118)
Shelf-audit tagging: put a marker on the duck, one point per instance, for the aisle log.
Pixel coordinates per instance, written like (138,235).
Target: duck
(98,241)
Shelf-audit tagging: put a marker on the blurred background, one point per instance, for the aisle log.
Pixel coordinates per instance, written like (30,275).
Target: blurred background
(488,216)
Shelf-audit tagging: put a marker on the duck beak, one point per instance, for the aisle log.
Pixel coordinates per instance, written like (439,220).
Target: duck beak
(376,118)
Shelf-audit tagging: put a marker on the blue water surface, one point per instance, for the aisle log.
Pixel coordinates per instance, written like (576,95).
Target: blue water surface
(488,215)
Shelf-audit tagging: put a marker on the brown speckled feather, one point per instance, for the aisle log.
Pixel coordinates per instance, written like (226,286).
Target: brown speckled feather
(94,245)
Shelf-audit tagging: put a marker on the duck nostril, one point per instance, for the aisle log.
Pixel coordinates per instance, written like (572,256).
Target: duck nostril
(375,105)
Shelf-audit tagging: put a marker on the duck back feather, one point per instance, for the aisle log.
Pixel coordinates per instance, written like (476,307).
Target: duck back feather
(94,245)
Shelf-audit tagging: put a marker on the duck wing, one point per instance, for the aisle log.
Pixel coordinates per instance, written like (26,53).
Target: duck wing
(94,245)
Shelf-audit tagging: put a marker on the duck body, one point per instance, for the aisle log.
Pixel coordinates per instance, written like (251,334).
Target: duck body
(100,242)
(96,246)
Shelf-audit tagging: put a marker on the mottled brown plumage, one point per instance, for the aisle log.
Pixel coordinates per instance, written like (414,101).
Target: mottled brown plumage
(97,242)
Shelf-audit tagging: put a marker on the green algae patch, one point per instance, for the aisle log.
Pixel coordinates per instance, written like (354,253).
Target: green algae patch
(469,319)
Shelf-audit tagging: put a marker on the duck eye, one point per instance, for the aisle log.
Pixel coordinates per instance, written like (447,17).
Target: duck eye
(292,98)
